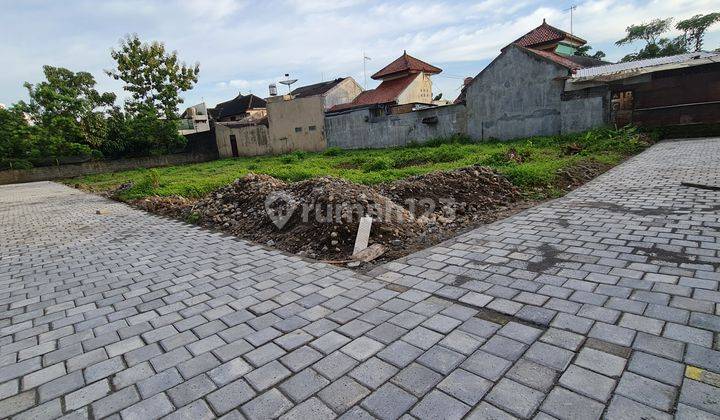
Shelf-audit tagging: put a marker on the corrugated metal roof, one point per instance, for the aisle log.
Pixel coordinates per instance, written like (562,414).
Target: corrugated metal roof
(640,65)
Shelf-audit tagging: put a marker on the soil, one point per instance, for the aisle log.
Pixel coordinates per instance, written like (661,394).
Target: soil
(319,218)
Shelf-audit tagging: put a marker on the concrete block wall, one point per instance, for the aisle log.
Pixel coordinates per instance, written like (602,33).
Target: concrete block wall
(358,129)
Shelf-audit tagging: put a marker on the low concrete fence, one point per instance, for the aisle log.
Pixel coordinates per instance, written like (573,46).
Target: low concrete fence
(360,129)
(46,173)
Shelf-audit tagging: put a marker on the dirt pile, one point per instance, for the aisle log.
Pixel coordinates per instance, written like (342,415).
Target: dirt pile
(319,217)
(580,173)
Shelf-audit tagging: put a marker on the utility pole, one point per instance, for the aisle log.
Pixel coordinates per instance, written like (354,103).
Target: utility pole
(571,9)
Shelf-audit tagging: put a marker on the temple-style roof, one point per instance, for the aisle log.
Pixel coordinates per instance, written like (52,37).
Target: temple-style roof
(405,64)
(546,35)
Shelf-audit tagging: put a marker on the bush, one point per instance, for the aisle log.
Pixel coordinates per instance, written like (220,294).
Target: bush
(378,164)
(332,151)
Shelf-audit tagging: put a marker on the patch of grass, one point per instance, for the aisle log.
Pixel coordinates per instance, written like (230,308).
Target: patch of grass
(540,159)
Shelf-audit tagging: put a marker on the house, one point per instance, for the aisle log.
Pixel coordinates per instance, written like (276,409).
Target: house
(249,138)
(680,90)
(241,108)
(520,93)
(405,81)
(195,119)
(297,120)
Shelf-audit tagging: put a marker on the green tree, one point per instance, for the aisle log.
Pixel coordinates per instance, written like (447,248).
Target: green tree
(15,139)
(153,76)
(584,51)
(655,44)
(68,106)
(695,27)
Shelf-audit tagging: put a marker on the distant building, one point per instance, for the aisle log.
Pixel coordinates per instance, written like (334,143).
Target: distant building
(297,120)
(404,81)
(520,93)
(195,119)
(242,108)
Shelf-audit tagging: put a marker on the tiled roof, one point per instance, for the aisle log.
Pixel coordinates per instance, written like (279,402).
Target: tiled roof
(388,91)
(545,34)
(405,63)
(239,105)
(556,58)
(315,89)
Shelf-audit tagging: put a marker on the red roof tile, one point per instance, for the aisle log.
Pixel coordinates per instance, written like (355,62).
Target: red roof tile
(388,91)
(405,63)
(546,34)
(556,58)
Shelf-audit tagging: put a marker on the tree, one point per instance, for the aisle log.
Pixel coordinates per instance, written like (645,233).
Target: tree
(655,46)
(694,28)
(584,51)
(649,32)
(153,76)
(68,106)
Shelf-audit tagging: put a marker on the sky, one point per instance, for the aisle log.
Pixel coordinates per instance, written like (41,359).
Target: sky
(243,45)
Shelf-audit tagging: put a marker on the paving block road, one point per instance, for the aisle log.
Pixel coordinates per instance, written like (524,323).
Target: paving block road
(600,304)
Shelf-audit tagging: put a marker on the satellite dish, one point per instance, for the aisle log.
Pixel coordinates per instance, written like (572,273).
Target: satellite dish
(287,82)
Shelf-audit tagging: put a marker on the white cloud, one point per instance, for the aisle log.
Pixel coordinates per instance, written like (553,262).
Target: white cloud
(244,45)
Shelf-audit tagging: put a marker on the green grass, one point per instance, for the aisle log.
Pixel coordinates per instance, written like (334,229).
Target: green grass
(541,158)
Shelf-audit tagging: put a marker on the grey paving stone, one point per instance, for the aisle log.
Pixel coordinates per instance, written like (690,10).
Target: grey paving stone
(264,377)
(659,346)
(533,375)
(422,337)
(388,402)
(373,372)
(399,353)
(342,394)
(198,410)
(486,365)
(439,405)
(504,347)
(685,412)
(132,375)
(565,339)
(61,386)
(191,390)
(566,405)
(465,386)
(703,357)
(271,404)
(18,403)
(197,365)
(87,395)
(330,342)
(303,384)
(362,348)
(657,368)
(441,359)
(115,402)
(612,333)
(301,358)
(310,409)
(485,411)
(550,356)
(49,410)
(230,396)
(159,382)
(646,391)
(417,379)
(688,334)
(520,332)
(151,408)
(601,362)
(587,383)
(701,396)
(621,408)
(515,398)
(335,365)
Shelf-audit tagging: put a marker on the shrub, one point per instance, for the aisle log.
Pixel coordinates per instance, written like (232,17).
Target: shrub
(332,151)
(378,164)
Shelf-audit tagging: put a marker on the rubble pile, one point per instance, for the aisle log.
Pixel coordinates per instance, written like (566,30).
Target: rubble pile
(319,218)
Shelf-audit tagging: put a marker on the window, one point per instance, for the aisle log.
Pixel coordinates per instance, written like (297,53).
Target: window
(298,129)
(312,128)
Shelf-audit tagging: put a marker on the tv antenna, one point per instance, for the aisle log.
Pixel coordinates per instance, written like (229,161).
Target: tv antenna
(365,60)
(288,81)
(571,9)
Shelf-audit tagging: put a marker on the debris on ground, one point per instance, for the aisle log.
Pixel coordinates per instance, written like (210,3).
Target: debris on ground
(319,218)
(580,173)
(102,211)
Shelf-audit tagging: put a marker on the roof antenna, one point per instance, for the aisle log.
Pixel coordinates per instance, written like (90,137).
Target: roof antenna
(365,60)
(571,9)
